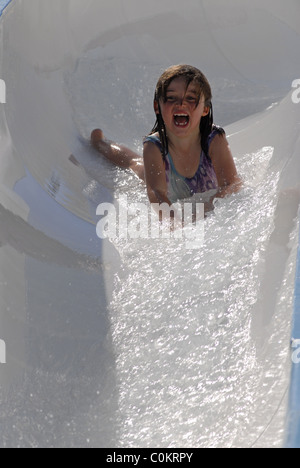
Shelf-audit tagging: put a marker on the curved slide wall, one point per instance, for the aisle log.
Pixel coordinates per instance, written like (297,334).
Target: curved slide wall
(80,323)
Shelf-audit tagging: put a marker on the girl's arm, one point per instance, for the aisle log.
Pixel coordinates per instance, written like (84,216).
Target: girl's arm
(118,155)
(228,179)
(155,174)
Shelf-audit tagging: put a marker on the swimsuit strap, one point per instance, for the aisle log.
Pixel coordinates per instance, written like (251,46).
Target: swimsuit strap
(180,187)
(156,140)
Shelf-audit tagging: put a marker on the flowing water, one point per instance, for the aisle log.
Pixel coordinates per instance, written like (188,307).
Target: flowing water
(189,331)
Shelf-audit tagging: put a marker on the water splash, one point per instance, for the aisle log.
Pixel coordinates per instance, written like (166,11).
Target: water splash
(181,322)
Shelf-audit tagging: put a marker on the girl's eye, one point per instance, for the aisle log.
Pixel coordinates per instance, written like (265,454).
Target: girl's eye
(189,99)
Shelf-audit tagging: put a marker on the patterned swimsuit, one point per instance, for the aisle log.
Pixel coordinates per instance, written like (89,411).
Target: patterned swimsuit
(180,187)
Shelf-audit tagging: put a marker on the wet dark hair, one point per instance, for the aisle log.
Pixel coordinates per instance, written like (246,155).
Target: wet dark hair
(191,75)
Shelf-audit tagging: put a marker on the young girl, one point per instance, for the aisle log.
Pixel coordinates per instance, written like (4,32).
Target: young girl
(185,153)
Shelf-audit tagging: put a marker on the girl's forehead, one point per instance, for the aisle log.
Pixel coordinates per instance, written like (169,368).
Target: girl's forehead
(180,84)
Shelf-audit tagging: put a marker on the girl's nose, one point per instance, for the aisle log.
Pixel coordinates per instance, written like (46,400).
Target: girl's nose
(180,102)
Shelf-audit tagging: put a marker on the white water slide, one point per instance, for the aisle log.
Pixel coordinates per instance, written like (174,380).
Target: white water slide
(144,343)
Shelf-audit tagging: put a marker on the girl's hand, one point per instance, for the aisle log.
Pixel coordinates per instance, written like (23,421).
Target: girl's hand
(209,206)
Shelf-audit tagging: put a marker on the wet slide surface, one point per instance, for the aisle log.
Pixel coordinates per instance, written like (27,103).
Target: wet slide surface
(143,342)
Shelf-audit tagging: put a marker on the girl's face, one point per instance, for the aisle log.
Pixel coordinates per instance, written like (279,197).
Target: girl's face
(180,110)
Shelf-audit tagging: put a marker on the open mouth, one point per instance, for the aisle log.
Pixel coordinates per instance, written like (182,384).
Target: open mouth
(181,120)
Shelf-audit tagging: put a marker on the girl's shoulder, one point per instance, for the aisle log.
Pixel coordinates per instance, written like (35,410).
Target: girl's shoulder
(154,138)
(216,130)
